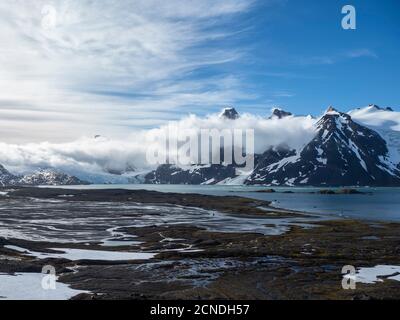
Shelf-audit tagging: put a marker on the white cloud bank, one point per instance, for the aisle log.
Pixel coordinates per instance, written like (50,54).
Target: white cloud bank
(89,155)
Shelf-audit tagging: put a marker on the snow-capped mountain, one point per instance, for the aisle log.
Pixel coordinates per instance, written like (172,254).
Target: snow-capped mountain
(48,177)
(342,153)
(361,147)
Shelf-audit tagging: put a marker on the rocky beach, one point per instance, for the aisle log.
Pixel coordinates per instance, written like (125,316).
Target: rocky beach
(125,244)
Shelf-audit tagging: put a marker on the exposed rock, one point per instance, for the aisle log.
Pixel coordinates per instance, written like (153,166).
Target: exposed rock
(230,114)
(326,192)
(340,191)
(6,178)
(280,114)
(267,191)
(207,174)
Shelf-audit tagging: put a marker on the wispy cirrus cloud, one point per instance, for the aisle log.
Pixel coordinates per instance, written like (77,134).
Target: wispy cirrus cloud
(100,64)
(334,58)
(359,53)
(283,94)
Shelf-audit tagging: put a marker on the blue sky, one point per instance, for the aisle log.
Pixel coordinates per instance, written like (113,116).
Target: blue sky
(73,68)
(300,58)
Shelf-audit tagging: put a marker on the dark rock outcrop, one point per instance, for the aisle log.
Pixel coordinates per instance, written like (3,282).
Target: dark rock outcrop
(280,114)
(230,114)
(210,174)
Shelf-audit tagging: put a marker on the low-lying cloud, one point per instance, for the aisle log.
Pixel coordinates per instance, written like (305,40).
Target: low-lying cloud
(100,155)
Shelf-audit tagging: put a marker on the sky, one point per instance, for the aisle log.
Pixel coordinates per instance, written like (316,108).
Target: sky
(71,69)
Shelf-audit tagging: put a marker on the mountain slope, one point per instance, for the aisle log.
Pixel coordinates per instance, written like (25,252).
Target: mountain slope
(386,122)
(273,156)
(6,178)
(195,175)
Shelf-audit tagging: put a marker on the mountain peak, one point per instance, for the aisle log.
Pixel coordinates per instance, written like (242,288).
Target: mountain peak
(230,113)
(280,114)
(374,106)
(332,111)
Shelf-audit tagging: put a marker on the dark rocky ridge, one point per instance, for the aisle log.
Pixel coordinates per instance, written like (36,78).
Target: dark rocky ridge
(379,108)
(170,174)
(230,114)
(280,114)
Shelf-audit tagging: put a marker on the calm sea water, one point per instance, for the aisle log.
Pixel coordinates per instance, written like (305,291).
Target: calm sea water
(380,204)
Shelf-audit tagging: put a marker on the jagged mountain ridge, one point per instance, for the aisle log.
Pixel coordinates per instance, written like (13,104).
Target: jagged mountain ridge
(230,114)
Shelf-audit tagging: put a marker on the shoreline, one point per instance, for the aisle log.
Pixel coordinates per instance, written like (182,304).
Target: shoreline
(376,205)
(194,262)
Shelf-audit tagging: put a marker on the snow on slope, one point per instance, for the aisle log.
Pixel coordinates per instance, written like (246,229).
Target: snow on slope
(386,122)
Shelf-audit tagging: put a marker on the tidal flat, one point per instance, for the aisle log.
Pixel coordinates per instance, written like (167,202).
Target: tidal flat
(137,244)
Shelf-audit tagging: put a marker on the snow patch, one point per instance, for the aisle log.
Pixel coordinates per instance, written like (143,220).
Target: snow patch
(28,286)
(79,254)
(374,274)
